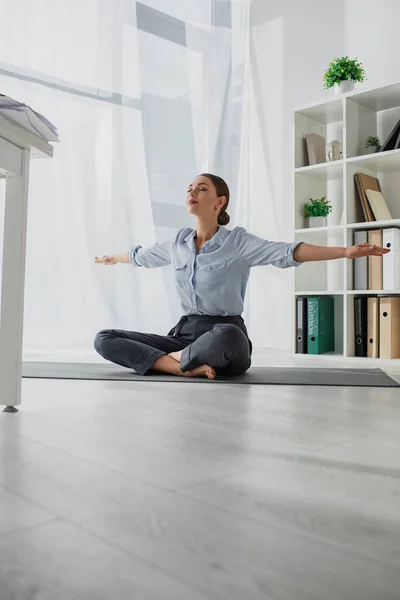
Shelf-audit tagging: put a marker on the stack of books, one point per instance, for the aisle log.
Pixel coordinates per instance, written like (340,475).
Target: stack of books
(378,272)
(315,325)
(371,205)
(377,327)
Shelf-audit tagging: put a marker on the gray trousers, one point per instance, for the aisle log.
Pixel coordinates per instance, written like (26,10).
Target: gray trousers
(220,342)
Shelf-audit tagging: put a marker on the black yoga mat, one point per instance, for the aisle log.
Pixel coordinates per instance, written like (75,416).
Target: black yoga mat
(255,375)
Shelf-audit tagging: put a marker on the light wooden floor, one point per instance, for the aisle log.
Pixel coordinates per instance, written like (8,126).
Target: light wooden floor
(144,491)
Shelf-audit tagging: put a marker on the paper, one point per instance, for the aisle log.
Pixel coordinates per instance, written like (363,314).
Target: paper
(29,119)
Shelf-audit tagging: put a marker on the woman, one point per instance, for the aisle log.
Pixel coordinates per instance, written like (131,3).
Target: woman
(212,266)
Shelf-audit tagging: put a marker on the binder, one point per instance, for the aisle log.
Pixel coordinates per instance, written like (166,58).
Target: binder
(373,327)
(389,328)
(320,325)
(391,261)
(361,326)
(360,274)
(301,325)
(375,263)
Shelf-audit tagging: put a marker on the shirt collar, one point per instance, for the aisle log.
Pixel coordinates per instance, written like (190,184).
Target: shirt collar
(219,238)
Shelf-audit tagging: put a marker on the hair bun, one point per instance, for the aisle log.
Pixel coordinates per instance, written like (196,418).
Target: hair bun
(223,218)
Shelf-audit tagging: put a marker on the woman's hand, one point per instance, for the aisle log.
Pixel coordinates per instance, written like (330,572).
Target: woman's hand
(106,260)
(309,252)
(365,250)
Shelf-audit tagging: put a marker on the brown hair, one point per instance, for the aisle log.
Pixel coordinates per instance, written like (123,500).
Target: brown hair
(222,189)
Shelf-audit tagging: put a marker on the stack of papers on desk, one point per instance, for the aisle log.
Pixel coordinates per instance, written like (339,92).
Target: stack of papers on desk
(29,119)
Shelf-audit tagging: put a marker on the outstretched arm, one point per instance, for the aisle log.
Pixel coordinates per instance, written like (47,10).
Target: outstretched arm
(113,259)
(309,252)
(157,255)
(259,251)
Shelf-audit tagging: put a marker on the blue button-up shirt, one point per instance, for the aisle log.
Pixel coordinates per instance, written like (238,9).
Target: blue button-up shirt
(213,281)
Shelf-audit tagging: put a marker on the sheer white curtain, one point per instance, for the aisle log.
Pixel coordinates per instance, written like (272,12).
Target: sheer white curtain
(145,96)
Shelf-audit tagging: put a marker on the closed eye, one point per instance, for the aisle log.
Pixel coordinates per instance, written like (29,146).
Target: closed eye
(202,189)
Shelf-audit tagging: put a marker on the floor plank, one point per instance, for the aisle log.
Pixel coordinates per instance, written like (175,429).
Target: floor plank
(59,561)
(277,493)
(222,552)
(358,511)
(17,513)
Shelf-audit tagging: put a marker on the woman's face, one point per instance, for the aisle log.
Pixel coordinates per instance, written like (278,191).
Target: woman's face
(202,199)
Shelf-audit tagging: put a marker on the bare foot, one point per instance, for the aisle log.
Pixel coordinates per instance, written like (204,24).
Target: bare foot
(167,364)
(209,372)
(176,355)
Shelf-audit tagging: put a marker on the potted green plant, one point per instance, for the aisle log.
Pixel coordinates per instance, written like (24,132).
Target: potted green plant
(342,73)
(316,211)
(372,144)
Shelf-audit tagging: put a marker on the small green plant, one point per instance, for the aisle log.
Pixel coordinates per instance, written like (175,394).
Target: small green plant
(372,141)
(341,69)
(317,207)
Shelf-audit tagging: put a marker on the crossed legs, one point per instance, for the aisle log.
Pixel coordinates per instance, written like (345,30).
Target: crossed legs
(223,350)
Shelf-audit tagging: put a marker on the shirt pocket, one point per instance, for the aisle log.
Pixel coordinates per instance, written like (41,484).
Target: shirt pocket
(181,269)
(211,276)
(215,265)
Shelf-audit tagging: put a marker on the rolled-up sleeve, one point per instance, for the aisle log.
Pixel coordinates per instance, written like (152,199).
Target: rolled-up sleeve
(157,255)
(258,251)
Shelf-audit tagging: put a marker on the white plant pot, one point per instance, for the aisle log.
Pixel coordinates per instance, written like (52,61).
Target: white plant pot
(316,221)
(371,150)
(343,87)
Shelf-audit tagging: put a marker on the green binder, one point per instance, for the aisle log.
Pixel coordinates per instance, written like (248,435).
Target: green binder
(320,330)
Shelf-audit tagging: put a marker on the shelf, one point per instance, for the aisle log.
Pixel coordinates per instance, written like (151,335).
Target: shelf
(332,169)
(377,99)
(357,360)
(374,224)
(320,229)
(335,355)
(373,292)
(380,161)
(318,293)
(349,118)
(327,112)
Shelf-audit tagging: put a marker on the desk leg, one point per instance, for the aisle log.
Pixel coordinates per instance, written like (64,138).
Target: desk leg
(13,286)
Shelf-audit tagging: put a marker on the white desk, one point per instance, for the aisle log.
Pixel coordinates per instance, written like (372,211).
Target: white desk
(17,147)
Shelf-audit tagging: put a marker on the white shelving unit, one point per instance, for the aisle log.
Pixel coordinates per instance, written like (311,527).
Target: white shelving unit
(349,118)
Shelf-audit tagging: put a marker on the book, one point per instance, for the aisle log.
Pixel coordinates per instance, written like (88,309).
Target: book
(391,140)
(315,148)
(320,325)
(397,145)
(360,206)
(363,200)
(371,183)
(378,205)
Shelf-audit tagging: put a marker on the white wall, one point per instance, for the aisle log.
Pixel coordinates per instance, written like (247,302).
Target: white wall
(288,61)
(292,45)
(372,33)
